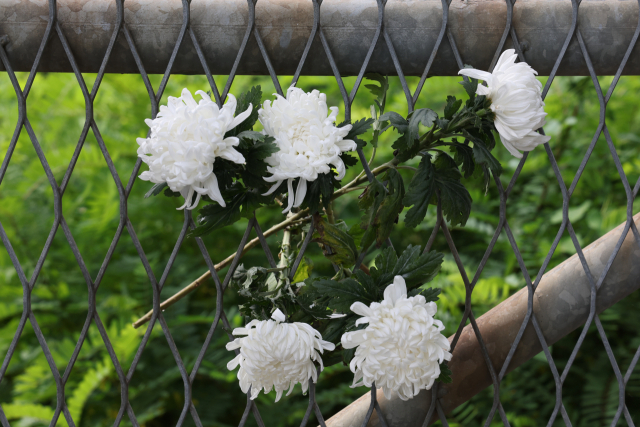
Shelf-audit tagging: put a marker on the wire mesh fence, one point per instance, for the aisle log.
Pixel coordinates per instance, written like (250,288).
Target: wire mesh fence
(380,38)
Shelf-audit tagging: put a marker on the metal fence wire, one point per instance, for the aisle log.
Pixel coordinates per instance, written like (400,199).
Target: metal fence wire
(381,37)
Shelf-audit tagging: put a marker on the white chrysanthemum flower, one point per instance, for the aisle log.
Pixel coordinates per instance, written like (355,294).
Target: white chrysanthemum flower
(308,139)
(277,355)
(515,98)
(186,138)
(401,349)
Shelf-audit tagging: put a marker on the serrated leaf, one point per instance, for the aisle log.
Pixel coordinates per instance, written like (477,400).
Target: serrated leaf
(454,197)
(155,190)
(463,156)
(368,283)
(429,294)
(356,232)
(344,248)
(170,193)
(482,155)
(333,332)
(452,107)
(442,124)
(251,135)
(251,202)
(213,217)
(348,160)
(359,127)
(445,374)
(424,116)
(254,97)
(319,191)
(304,270)
(420,192)
(307,303)
(416,267)
(385,262)
(381,208)
(249,282)
(470,86)
(254,152)
(396,120)
(340,295)
(379,91)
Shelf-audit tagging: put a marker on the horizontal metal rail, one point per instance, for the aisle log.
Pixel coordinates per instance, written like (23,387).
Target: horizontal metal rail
(349,27)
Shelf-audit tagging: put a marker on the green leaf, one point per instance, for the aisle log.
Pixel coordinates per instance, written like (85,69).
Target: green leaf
(417,268)
(452,107)
(307,303)
(396,120)
(442,124)
(379,91)
(304,270)
(334,330)
(424,116)
(213,217)
(429,294)
(420,192)
(445,374)
(483,155)
(344,248)
(320,189)
(470,86)
(254,152)
(384,265)
(249,282)
(226,172)
(454,197)
(252,201)
(356,232)
(379,125)
(381,207)
(254,97)
(359,127)
(155,190)
(251,135)
(348,160)
(463,156)
(170,193)
(340,295)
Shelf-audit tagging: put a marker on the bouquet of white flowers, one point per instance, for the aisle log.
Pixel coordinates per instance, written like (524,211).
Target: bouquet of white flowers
(379,320)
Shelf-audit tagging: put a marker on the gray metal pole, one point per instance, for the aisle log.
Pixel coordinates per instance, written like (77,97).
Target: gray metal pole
(349,26)
(561,305)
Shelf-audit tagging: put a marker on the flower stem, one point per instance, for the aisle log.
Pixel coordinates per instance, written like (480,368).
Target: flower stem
(329,210)
(296,218)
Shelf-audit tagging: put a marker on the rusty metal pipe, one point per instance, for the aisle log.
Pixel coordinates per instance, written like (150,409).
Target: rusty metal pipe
(349,26)
(561,304)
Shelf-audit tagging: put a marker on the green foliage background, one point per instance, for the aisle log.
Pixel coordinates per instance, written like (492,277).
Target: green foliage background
(91,208)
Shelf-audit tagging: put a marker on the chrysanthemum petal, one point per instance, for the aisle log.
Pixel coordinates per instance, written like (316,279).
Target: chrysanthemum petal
(276,356)
(401,348)
(185,139)
(307,138)
(516,102)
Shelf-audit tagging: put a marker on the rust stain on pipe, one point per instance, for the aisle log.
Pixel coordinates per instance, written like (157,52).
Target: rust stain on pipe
(349,25)
(561,304)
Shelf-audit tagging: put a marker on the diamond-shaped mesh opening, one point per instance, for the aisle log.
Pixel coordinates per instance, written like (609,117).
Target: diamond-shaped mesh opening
(502,249)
